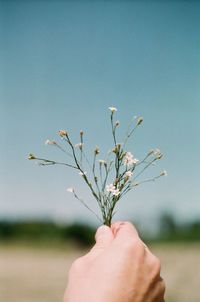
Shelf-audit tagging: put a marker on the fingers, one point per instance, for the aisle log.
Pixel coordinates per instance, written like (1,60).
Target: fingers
(120,231)
(158,292)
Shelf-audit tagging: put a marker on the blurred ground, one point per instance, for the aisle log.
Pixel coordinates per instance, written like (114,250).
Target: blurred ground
(31,274)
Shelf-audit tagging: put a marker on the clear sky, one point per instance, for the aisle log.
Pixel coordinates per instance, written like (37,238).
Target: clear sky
(63,63)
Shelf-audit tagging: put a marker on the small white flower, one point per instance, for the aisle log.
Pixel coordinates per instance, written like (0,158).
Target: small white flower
(82,173)
(163,173)
(48,142)
(102,161)
(110,188)
(128,174)
(112,109)
(129,159)
(157,153)
(79,145)
(70,190)
(128,162)
(129,155)
(116,192)
(135,161)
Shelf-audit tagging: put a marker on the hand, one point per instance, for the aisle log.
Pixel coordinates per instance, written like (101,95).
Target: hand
(119,268)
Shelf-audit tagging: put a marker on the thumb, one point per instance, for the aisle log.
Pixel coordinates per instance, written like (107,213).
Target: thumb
(104,236)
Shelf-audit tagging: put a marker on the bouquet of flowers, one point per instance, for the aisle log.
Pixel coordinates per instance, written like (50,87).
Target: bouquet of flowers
(111,178)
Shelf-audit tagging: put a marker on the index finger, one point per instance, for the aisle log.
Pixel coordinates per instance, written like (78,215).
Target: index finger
(124,229)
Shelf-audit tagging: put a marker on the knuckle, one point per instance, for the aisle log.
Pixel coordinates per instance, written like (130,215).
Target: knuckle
(155,268)
(162,287)
(133,245)
(156,264)
(77,265)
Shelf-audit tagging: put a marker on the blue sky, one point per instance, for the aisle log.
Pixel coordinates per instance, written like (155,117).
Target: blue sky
(63,63)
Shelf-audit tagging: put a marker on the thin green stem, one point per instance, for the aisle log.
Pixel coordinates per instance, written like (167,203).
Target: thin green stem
(63,150)
(82,201)
(149,164)
(52,162)
(83,174)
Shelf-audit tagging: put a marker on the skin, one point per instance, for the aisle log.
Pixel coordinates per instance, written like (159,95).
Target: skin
(119,268)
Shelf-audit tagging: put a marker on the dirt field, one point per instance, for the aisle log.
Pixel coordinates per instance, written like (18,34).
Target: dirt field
(39,275)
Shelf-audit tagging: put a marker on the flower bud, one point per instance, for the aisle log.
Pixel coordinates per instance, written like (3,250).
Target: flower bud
(62,133)
(112,109)
(31,156)
(116,123)
(96,151)
(163,173)
(116,149)
(81,135)
(140,120)
(48,142)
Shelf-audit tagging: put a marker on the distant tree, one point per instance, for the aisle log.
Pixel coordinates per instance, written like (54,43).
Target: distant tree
(168,226)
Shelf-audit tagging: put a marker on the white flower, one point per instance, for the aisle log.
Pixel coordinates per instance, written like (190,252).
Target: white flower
(128,156)
(129,159)
(48,142)
(112,109)
(128,174)
(102,161)
(135,161)
(116,192)
(157,153)
(82,173)
(110,188)
(79,145)
(70,190)
(163,173)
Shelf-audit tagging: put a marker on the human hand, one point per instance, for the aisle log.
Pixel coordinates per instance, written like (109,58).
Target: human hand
(119,268)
